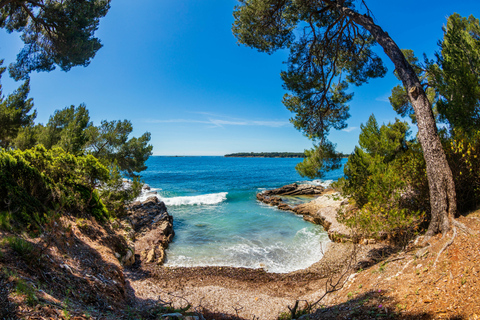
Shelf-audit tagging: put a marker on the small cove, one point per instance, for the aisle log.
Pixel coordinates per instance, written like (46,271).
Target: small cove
(219,222)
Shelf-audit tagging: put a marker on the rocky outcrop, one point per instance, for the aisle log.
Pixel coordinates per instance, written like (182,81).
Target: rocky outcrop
(152,229)
(324,211)
(295,190)
(274,197)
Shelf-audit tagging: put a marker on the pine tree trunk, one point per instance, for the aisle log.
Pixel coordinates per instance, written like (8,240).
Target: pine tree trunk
(440,179)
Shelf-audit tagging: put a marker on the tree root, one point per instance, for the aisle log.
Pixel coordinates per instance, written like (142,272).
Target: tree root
(463,227)
(446,245)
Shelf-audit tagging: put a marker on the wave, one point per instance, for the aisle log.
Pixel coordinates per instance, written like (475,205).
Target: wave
(305,249)
(204,199)
(323,183)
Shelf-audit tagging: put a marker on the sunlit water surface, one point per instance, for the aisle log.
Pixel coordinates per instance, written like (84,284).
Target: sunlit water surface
(219,222)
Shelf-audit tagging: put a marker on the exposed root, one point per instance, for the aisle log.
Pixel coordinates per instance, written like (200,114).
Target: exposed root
(463,227)
(446,245)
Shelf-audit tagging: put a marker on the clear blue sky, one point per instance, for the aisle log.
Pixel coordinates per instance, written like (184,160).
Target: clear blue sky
(174,69)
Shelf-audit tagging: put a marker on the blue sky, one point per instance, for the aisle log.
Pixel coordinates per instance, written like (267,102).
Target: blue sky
(174,69)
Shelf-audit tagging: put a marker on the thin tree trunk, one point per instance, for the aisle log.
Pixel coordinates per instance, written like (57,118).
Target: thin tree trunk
(440,179)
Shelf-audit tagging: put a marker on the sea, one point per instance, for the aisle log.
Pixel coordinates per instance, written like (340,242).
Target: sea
(219,222)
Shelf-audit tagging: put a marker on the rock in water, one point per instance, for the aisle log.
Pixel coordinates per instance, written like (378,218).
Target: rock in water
(153,228)
(321,210)
(272,197)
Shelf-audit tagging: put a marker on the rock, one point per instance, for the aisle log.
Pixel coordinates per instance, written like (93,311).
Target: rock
(146,187)
(324,211)
(284,206)
(321,210)
(272,197)
(150,256)
(129,258)
(153,229)
(172,316)
(295,190)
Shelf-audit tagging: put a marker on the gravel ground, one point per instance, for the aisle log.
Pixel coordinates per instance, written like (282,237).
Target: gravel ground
(246,293)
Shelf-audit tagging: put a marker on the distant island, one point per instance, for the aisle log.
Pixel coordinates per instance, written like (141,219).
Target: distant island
(273,155)
(267,155)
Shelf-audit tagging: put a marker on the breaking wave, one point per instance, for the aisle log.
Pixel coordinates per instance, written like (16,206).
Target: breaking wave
(204,199)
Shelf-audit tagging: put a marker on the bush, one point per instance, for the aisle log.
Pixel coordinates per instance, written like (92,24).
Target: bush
(115,192)
(385,176)
(36,182)
(463,154)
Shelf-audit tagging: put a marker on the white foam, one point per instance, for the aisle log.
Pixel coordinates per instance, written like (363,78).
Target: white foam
(204,199)
(323,183)
(279,257)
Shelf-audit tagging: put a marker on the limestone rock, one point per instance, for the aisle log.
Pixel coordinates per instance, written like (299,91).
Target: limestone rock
(324,211)
(153,228)
(273,197)
(295,190)
(129,258)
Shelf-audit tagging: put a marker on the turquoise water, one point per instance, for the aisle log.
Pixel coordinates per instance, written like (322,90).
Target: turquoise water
(219,222)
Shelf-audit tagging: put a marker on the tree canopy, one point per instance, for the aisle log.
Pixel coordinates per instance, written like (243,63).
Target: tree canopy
(110,142)
(456,73)
(72,130)
(330,43)
(452,79)
(327,53)
(15,112)
(54,32)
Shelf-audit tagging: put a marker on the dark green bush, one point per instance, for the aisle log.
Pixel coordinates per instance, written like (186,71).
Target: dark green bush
(36,182)
(385,176)
(463,154)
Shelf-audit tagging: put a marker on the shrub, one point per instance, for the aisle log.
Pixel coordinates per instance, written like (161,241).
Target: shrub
(463,154)
(36,182)
(115,192)
(385,176)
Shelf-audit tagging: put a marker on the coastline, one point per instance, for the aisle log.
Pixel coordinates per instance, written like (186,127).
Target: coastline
(242,291)
(247,292)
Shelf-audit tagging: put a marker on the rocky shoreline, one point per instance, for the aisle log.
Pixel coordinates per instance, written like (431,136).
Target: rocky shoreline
(322,209)
(148,228)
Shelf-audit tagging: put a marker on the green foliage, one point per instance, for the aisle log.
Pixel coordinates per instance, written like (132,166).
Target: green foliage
(22,287)
(328,51)
(371,165)
(71,130)
(67,168)
(386,178)
(14,112)
(109,142)
(36,182)
(20,246)
(115,193)
(66,129)
(322,50)
(456,73)
(463,154)
(320,159)
(452,81)
(54,32)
